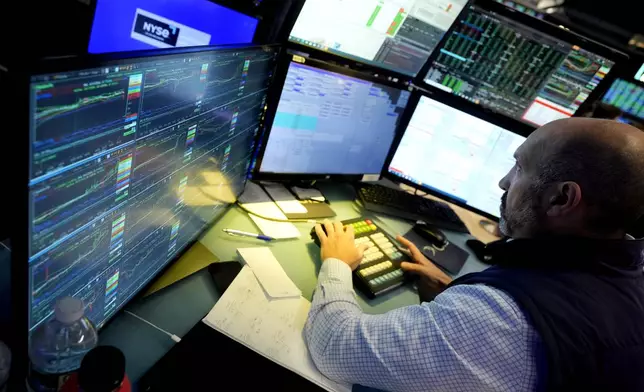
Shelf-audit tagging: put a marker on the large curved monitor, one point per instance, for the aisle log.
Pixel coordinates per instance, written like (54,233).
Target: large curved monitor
(455,155)
(130,160)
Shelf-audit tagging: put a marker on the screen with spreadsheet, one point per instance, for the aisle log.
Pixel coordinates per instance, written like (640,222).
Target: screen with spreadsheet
(454,154)
(514,69)
(129,163)
(329,123)
(627,96)
(394,34)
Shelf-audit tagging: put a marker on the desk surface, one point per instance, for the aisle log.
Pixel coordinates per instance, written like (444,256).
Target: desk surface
(179,307)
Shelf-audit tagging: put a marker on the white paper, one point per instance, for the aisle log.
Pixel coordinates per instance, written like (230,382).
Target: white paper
(277,230)
(273,329)
(254,193)
(256,200)
(269,272)
(308,193)
(284,199)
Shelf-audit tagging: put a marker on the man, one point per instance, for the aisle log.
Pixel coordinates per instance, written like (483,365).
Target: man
(562,309)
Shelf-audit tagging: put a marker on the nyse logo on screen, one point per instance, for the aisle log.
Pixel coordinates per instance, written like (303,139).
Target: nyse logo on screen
(156,29)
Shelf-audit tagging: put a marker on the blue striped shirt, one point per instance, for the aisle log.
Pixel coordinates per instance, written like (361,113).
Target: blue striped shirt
(470,338)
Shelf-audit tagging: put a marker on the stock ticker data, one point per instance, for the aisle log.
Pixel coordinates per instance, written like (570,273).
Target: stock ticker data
(515,70)
(329,123)
(129,163)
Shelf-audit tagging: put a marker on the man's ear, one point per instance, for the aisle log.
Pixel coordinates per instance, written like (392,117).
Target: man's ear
(564,198)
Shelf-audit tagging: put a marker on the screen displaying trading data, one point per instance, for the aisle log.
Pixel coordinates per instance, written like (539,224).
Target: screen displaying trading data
(395,34)
(627,96)
(328,123)
(455,154)
(515,70)
(129,163)
(123,25)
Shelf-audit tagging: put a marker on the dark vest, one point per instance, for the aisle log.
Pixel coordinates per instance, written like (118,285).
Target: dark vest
(585,298)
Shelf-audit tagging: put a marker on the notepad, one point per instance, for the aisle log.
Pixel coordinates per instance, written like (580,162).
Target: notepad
(272,328)
(269,272)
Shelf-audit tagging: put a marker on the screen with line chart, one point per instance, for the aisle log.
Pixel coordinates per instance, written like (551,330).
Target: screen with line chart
(513,69)
(130,162)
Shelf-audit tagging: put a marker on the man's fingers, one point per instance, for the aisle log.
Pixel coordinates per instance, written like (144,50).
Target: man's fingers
(320,232)
(362,248)
(412,267)
(413,250)
(330,230)
(337,225)
(349,230)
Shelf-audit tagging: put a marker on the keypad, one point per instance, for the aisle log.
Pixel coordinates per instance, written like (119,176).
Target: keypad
(386,278)
(379,268)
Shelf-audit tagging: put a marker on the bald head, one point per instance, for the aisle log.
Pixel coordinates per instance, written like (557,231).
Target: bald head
(576,176)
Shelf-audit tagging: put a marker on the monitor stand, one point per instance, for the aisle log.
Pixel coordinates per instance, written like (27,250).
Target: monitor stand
(490,227)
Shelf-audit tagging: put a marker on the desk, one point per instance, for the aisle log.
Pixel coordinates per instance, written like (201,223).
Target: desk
(180,306)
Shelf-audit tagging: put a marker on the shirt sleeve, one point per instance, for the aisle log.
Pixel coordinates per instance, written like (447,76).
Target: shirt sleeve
(470,338)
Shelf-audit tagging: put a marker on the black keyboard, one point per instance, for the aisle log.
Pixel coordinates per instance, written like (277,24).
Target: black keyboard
(401,204)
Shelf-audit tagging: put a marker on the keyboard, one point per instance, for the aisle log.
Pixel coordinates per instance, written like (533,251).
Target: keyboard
(378,198)
(379,270)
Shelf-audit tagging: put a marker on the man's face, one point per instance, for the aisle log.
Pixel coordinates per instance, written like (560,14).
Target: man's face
(519,204)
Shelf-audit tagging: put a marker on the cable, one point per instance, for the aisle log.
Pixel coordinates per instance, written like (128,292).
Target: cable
(172,336)
(5,246)
(313,221)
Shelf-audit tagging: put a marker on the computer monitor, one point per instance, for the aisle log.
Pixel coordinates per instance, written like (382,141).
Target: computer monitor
(130,160)
(455,155)
(639,75)
(398,35)
(519,66)
(124,25)
(330,121)
(627,96)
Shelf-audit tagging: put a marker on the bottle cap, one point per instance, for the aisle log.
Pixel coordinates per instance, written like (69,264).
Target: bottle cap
(69,310)
(102,370)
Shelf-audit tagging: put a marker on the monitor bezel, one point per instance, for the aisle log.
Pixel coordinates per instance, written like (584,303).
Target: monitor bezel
(558,32)
(20,232)
(464,106)
(273,101)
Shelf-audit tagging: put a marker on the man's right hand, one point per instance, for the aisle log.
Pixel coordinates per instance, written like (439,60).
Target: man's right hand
(421,265)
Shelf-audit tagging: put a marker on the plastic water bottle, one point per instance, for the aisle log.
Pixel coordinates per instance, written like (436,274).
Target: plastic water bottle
(57,348)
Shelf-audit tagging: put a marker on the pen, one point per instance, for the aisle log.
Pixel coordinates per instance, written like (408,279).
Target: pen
(245,234)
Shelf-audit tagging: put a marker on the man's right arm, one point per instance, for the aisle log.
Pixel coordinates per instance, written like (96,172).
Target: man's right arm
(471,338)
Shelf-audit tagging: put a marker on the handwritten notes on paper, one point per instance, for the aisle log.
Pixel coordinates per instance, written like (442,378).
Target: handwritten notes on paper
(272,328)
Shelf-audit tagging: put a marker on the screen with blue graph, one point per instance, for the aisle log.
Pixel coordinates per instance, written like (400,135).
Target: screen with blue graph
(129,163)
(329,123)
(124,25)
(514,69)
(627,96)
